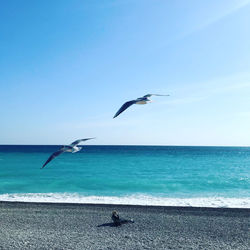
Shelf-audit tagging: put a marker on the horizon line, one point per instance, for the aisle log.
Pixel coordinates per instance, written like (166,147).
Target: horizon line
(135,145)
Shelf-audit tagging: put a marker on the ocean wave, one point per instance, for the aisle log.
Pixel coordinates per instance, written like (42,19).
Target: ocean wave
(129,200)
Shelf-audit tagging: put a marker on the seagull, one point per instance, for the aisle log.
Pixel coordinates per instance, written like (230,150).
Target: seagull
(73,148)
(141,100)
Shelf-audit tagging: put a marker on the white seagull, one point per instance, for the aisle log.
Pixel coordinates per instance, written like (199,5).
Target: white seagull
(141,100)
(73,148)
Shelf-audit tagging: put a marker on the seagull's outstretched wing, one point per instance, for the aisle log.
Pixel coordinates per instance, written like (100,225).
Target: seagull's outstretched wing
(124,107)
(55,154)
(149,95)
(79,141)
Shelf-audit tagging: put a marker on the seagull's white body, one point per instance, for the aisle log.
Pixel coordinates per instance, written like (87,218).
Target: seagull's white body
(70,149)
(142,102)
(76,149)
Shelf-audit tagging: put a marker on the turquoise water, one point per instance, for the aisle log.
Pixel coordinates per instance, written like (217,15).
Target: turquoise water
(131,173)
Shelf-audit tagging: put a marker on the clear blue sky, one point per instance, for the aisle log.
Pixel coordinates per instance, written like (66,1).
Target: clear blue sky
(66,67)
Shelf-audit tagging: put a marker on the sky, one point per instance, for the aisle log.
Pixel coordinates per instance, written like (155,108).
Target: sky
(66,67)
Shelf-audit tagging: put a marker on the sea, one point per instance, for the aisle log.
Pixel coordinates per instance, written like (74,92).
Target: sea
(134,175)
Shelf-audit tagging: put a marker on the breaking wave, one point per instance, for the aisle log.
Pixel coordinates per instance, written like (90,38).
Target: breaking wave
(217,202)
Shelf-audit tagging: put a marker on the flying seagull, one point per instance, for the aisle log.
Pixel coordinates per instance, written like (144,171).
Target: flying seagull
(73,148)
(141,100)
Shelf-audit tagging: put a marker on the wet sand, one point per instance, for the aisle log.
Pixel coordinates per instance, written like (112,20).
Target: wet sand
(76,226)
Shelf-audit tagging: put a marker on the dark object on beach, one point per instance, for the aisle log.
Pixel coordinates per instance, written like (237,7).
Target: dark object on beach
(118,221)
(115,217)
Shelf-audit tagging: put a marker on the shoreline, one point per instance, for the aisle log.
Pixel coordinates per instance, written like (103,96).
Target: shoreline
(32,225)
(194,208)
(139,199)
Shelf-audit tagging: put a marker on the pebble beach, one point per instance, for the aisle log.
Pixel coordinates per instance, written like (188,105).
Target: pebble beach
(89,226)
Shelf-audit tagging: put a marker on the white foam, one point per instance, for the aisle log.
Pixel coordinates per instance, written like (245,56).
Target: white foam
(129,200)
